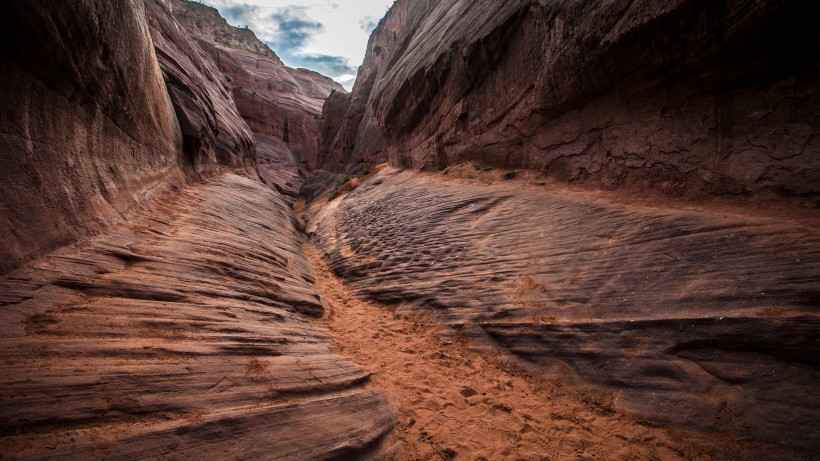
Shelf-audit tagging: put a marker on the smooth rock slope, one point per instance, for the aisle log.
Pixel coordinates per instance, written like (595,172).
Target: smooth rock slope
(184,332)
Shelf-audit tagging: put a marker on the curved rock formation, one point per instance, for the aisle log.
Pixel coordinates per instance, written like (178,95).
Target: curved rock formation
(183,330)
(282,105)
(682,96)
(157,302)
(79,79)
(702,319)
(212,130)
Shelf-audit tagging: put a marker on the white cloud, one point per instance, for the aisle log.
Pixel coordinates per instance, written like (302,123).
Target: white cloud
(329,36)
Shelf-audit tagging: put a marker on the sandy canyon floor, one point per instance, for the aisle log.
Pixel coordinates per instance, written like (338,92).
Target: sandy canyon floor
(458,404)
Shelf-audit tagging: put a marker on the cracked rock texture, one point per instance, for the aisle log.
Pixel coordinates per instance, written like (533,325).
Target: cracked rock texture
(694,318)
(680,96)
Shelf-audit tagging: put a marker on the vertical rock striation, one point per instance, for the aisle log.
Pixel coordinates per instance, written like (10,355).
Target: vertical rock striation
(87,130)
(213,132)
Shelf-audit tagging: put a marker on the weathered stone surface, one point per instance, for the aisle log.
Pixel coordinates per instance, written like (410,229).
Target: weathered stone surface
(213,131)
(184,332)
(682,96)
(205,22)
(183,328)
(87,131)
(282,106)
(350,133)
(697,318)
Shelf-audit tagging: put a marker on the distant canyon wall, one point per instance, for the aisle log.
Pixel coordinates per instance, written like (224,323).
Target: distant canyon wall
(282,106)
(679,96)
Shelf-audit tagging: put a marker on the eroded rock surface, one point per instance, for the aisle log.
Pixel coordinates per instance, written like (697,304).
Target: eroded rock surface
(283,106)
(184,332)
(682,96)
(78,79)
(700,319)
(182,329)
(213,131)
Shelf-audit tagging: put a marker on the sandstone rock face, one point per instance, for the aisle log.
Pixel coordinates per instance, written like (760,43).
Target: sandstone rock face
(702,319)
(350,132)
(184,332)
(87,131)
(213,131)
(282,106)
(183,328)
(204,21)
(682,96)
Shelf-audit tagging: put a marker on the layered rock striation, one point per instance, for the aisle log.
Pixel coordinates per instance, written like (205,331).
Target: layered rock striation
(681,97)
(87,129)
(282,106)
(213,131)
(183,332)
(156,301)
(695,318)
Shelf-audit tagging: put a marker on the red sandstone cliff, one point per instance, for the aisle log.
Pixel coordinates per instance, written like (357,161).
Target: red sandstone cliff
(155,298)
(282,106)
(683,96)
(66,97)
(692,316)
(157,301)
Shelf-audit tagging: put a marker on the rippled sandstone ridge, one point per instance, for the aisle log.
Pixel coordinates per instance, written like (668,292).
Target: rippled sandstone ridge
(592,233)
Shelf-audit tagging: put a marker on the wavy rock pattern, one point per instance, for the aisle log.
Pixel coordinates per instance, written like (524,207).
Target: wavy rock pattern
(212,130)
(699,319)
(183,332)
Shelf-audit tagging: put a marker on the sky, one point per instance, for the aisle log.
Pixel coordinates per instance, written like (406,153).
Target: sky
(328,36)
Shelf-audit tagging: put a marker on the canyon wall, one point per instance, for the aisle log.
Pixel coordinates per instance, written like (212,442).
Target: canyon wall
(103,108)
(697,318)
(213,131)
(682,97)
(691,315)
(87,130)
(156,301)
(283,106)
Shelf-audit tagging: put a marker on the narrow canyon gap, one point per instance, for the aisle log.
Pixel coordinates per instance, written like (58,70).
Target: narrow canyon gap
(532,230)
